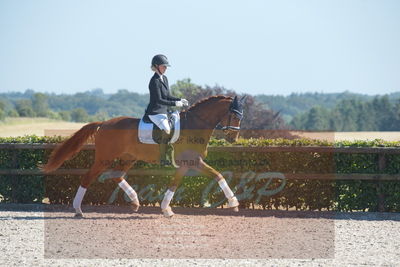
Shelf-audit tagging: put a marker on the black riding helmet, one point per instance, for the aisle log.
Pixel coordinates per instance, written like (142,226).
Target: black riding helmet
(160,60)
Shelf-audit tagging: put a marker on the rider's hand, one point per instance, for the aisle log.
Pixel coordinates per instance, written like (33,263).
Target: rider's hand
(185,102)
(179,103)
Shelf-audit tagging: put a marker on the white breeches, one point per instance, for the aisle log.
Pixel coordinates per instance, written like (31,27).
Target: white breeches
(161,120)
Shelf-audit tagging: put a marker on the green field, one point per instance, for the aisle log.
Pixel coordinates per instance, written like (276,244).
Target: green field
(38,126)
(41,126)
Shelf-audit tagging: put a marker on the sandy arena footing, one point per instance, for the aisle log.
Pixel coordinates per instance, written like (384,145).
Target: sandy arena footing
(47,235)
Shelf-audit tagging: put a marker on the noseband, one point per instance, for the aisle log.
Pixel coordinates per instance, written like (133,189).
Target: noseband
(229,127)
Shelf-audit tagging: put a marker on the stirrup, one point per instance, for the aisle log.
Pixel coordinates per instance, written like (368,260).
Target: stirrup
(165,163)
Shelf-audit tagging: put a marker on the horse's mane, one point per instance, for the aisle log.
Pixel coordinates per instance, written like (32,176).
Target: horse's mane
(200,102)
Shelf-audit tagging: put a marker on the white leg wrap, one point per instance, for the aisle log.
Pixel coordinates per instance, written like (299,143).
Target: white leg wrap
(167,199)
(225,187)
(78,199)
(129,191)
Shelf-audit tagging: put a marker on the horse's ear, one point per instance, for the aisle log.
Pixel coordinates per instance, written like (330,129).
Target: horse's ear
(243,98)
(235,101)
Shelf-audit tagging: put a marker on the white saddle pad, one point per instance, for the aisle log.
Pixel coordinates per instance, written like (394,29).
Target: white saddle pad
(146,130)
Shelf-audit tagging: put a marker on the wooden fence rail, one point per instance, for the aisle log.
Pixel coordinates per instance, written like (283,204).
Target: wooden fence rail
(381,151)
(266,149)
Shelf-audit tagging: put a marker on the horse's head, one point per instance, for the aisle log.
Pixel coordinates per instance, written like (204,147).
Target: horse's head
(230,122)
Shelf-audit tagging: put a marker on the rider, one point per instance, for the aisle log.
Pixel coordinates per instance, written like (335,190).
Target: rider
(160,100)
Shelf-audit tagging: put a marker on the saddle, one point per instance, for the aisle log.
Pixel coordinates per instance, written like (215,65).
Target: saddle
(150,133)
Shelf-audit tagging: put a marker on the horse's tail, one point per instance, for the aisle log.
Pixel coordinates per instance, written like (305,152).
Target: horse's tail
(70,147)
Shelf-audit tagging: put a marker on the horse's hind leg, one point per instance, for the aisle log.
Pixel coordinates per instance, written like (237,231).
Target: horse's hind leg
(97,168)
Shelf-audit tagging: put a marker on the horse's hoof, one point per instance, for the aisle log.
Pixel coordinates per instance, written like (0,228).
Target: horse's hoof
(168,213)
(134,207)
(78,215)
(233,203)
(235,209)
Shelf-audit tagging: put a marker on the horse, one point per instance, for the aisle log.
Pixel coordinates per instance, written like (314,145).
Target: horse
(117,138)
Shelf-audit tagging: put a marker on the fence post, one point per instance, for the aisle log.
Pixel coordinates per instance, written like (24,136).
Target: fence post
(14,178)
(381,196)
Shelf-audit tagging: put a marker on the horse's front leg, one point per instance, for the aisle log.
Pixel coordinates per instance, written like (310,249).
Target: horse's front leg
(211,172)
(169,194)
(118,175)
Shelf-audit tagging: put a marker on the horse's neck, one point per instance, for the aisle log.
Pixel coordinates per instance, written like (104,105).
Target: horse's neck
(208,115)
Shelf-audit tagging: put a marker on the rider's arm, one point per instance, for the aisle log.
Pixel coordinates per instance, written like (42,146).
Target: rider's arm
(155,90)
(173,98)
(169,96)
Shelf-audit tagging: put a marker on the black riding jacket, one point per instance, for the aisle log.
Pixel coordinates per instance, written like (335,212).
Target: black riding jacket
(160,98)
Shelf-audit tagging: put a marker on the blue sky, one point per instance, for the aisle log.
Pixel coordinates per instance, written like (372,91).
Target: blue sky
(256,46)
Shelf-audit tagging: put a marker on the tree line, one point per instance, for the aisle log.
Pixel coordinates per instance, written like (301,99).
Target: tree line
(308,111)
(378,114)
(95,105)
(80,107)
(296,103)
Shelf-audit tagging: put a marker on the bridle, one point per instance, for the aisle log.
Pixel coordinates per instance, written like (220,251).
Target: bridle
(229,127)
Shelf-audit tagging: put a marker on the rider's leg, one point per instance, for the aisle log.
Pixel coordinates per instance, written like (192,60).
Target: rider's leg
(161,120)
(164,148)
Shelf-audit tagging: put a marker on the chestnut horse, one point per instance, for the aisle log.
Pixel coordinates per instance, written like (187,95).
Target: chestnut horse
(118,139)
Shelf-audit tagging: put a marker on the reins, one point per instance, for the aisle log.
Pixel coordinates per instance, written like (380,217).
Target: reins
(235,107)
(203,121)
(218,126)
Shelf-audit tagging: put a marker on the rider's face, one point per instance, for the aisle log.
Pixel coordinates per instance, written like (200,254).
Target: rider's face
(162,69)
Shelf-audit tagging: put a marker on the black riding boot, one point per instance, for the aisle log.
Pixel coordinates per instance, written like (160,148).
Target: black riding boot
(165,150)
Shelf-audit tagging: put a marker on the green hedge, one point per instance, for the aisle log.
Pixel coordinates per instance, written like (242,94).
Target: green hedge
(252,190)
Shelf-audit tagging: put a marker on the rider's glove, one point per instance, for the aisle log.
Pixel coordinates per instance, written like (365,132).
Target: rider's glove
(185,102)
(179,103)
